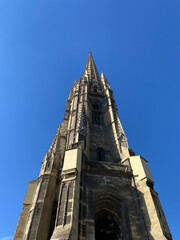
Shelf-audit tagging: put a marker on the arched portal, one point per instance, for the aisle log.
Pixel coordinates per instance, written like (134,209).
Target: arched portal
(108,212)
(111,218)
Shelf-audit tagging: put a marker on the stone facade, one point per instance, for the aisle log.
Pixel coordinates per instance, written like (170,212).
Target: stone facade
(91,185)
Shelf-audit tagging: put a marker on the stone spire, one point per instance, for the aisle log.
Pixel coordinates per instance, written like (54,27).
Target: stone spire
(90,71)
(91,185)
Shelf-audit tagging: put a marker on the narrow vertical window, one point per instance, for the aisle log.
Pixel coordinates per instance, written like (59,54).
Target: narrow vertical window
(100,155)
(96,118)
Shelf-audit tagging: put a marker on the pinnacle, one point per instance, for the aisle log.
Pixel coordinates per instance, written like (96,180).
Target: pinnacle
(90,70)
(102,75)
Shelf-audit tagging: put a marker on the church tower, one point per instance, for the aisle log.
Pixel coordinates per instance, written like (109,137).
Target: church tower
(91,185)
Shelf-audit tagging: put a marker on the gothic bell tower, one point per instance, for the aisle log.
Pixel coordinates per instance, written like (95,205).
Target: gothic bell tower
(91,185)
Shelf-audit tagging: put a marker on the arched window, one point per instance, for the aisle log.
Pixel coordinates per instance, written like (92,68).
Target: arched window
(100,154)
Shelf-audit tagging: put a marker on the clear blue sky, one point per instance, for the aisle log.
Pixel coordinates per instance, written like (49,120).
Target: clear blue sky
(44,47)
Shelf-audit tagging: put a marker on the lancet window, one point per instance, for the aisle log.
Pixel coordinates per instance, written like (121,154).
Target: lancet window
(100,154)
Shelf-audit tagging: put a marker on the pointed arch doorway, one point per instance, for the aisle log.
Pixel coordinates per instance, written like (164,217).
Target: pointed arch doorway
(106,228)
(111,218)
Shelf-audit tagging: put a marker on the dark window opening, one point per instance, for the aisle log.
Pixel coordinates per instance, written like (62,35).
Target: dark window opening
(95,106)
(96,118)
(106,229)
(100,154)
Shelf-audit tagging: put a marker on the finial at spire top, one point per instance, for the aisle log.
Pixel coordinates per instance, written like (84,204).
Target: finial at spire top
(90,69)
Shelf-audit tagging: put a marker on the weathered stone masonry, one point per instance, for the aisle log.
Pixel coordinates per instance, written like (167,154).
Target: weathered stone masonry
(91,185)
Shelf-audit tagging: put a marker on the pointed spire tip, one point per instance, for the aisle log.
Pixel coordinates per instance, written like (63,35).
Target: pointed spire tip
(90,69)
(102,74)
